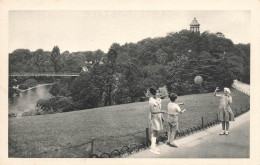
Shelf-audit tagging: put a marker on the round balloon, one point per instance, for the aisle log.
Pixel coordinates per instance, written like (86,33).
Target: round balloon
(198,80)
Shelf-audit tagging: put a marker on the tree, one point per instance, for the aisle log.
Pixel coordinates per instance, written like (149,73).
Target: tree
(19,61)
(243,51)
(56,59)
(131,74)
(90,87)
(86,92)
(72,63)
(38,60)
(124,73)
(110,65)
(162,57)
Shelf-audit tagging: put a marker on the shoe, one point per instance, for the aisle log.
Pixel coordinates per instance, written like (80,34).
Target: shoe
(153,150)
(223,133)
(173,145)
(226,133)
(157,149)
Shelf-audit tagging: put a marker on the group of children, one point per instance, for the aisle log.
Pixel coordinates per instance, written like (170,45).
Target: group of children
(173,110)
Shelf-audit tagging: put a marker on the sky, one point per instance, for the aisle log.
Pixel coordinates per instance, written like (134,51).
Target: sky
(91,30)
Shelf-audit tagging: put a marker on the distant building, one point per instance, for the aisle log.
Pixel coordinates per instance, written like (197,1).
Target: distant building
(84,69)
(195,26)
(101,61)
(89,64)
(221,35)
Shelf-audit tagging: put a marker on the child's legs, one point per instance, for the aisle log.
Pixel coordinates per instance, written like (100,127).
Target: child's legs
(169,132)
(173,133)
(223,125)
(153,138)
(154,133)
(227,126)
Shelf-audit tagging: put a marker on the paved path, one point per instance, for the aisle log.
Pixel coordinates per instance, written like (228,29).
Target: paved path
(245,88)
(208,143)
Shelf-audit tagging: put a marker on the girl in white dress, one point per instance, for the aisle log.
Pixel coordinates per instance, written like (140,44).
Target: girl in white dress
(225,112)
(155,119)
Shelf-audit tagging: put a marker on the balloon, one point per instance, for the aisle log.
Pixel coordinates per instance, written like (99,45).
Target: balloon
(198,80)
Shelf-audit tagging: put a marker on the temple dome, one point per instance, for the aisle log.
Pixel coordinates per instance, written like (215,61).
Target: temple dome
(194,22)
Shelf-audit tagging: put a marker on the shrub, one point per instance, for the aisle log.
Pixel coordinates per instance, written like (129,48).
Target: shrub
(55,89)
(121,96)
(30,82)
(12,114)
(37,111)
(79,105)
(23,86)
(143,98)
(61,88)
(55,104)
(12,92)
(29,113)
(163,92)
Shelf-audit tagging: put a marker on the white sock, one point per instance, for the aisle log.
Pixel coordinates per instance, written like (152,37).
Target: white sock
(153,146)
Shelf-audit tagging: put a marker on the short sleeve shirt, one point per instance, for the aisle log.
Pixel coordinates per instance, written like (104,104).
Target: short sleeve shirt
(173,109)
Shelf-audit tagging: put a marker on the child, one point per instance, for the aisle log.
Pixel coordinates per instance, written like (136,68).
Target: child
(225,112)
(173,111)
(155,119)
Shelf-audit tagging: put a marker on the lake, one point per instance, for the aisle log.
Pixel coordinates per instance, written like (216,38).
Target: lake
(27,100)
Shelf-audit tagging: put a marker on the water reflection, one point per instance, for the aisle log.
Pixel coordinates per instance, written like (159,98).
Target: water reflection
(27,100)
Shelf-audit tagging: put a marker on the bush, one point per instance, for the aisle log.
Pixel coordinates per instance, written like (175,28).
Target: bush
(61,88)
(23,86)
(12,92)
(55,89)
(30,82)
(143,98)
(37,111)
(55,105)
(121,96)
(12,114)
(163,92)
(79,105)
(27,84)
(29,113)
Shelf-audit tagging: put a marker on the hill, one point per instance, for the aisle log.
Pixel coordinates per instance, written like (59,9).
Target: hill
(109,125)
(124,73)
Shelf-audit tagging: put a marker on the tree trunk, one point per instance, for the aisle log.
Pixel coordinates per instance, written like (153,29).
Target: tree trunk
(110,95)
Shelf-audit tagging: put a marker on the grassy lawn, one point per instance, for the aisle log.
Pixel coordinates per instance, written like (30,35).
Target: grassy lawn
(108,125)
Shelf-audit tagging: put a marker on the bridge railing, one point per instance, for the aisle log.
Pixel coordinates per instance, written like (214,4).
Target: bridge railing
(42,74)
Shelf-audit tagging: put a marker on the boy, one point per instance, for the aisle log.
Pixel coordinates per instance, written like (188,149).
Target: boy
(173,111)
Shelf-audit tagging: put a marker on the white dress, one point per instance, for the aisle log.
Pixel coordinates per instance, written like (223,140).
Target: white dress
(225,111)
(155,119)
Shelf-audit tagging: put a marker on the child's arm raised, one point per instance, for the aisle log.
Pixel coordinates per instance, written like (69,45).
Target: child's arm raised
(215,92)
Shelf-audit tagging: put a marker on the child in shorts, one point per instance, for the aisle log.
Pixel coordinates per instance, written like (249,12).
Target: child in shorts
(173,111)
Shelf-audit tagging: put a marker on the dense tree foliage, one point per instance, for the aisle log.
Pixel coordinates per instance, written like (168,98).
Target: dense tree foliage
(124,73)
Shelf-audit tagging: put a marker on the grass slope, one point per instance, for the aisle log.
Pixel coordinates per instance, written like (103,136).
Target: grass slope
(35,134)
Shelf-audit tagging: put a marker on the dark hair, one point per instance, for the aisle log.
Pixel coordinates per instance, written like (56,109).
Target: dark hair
(152,91)
(173,96)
